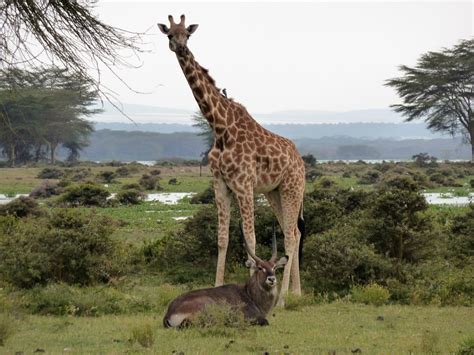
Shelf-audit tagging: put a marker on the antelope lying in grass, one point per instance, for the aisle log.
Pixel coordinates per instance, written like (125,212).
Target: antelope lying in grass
(255,299)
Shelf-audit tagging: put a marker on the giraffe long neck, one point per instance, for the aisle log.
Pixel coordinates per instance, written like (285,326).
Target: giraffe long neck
(204,90)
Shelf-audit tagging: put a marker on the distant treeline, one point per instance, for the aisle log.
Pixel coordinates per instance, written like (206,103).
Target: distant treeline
(137,145)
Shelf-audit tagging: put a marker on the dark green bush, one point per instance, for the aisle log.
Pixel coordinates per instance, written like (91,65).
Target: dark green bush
(51,173)
(130,197)
(69,246)
(149,182)
(340,258)
(107,177)
(21,207)
(461,241)
(86,194)
(471,183)
(204,197)
(369,178)
(46,189)
(122,171)
(190,255)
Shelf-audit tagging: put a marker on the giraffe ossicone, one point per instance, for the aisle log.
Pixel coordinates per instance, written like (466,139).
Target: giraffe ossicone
(245,159)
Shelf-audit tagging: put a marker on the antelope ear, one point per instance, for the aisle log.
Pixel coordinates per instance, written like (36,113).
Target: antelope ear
(163,28)
(192,28)
(251,264)
(282,262)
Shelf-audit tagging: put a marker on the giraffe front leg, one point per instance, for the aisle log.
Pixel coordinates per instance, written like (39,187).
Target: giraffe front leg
(223,200)
(247,214)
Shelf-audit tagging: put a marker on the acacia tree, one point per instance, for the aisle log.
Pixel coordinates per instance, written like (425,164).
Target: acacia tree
(64,30)
(205,131)
(44,108)
(440,90)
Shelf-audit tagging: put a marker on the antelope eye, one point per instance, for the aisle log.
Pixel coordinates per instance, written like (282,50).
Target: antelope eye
(262,269)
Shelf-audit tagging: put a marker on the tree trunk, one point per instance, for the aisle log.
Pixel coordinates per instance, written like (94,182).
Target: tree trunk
(52,150)
(12,155)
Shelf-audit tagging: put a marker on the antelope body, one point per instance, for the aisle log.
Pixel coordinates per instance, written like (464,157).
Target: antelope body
(255,299)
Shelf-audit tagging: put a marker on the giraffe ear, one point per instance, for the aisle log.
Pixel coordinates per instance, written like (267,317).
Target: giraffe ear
(163,28)
(192,28)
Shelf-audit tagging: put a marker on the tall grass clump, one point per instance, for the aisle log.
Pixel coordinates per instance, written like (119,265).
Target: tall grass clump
(143,334)
(372,294)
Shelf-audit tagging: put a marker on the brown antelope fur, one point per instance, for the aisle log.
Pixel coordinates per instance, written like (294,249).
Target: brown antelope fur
(245,159)
(255,299)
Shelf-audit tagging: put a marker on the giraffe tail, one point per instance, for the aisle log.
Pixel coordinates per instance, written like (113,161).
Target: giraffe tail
(301,228)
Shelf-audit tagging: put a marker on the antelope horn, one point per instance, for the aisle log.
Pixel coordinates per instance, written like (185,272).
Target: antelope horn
(170,18)
(274,245)
(182,20)
(252,254)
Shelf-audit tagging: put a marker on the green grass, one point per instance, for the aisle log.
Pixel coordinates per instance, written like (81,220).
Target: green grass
(338,327)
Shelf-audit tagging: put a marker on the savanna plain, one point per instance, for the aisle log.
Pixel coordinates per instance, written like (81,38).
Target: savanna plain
(89,261)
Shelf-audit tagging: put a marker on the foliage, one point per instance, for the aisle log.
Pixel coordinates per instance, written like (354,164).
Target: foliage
(338,259)
(150,182)
(424,159)
(86,194)
(79,40)
(204,197)
(130,197)
(372,293)
(369,178)
(309,159)
(51,173)
(440,90)
(107,177)
(47,189)
(20,207)
(46,108)
(69,246)
(206,133)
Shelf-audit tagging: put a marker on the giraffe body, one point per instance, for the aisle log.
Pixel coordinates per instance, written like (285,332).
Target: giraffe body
(245,159)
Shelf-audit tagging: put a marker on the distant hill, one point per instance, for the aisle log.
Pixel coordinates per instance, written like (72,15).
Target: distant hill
(157,114)
(136,145)
(360,130)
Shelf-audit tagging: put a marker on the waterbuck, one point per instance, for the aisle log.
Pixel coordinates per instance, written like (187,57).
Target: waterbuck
(255,299)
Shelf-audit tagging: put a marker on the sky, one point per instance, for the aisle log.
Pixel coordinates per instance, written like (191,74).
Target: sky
(281,56)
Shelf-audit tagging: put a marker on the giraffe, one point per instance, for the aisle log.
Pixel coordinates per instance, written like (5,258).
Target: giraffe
(245,159)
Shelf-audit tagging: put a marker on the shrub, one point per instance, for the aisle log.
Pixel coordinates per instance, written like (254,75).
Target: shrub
(155,172)
(86,194)
(143,335)
(149,182)
(372,293)
(471,183)
(173,181)
(69,246)
(50,173)
(46,189)
(122,171)
(461,239)
(369,178)
(340,258)
(21,207)
(80,174)
(130,197)
(107,177)
(204,197)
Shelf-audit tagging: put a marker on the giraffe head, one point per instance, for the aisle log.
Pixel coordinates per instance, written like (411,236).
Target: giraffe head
(177,33)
